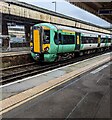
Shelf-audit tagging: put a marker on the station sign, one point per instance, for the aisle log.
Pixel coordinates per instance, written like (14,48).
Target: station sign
(11,24)
(105,12)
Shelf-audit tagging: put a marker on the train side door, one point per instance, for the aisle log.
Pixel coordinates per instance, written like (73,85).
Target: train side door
(60,46)
(99,40)
(78,41)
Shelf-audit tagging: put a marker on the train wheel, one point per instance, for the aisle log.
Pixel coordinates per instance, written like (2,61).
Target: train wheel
(81,53)
(77,54)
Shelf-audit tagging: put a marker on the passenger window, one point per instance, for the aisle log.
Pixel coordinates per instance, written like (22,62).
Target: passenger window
(103,40)
(109,40)
(46,37)
(68,39)
(87,40)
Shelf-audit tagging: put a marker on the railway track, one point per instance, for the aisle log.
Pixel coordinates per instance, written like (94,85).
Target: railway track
(22,71)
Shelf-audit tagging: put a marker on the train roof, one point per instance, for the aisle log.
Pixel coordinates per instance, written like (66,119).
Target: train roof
(80,30)
(84,32)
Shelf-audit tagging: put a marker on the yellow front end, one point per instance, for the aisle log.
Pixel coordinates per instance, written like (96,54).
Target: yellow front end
(39,45)
(36,41)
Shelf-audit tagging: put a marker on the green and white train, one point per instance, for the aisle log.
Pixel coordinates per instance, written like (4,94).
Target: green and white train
(51,42)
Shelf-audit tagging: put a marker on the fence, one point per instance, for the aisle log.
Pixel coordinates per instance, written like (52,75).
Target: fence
(7,45)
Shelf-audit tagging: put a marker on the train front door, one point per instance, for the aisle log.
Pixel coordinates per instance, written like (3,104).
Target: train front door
(37,39)
(78,41)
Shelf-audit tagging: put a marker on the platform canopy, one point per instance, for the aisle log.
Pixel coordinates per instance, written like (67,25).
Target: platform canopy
(101,8)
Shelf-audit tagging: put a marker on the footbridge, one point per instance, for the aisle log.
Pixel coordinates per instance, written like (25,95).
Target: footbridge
(27,15)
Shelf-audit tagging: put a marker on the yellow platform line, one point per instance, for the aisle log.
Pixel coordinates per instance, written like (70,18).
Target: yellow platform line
(19,99)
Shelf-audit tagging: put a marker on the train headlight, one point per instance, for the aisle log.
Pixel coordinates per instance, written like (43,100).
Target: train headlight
(36,57)
(31,44)
(46,48)
(31,48)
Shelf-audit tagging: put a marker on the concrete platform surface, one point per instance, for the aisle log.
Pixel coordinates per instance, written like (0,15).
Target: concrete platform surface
(2,54)
(21,91)
(87,96)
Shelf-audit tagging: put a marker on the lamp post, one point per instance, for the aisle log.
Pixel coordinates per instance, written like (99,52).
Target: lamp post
(55,5)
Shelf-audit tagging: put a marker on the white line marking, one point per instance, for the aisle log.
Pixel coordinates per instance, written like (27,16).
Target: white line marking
(99,79)
(99,69)
(50,71)
(46,90)
(76,106)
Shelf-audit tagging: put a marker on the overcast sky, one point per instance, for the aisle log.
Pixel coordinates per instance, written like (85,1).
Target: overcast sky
(66,8)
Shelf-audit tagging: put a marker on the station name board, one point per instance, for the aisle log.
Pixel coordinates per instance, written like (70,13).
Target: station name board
(105,11)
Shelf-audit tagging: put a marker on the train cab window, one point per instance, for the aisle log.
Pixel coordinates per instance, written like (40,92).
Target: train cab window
(46,37)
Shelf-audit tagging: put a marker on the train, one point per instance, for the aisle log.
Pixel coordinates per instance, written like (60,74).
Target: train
(51,42)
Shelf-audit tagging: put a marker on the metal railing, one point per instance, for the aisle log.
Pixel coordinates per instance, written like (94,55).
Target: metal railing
(6,45)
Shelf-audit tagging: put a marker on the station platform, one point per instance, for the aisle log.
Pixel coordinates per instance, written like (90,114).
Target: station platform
(13,58)
(5,54)
(85,75)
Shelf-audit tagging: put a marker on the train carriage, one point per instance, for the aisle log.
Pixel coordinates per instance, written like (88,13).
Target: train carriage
(89,41)
(54,42)
(108,40)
